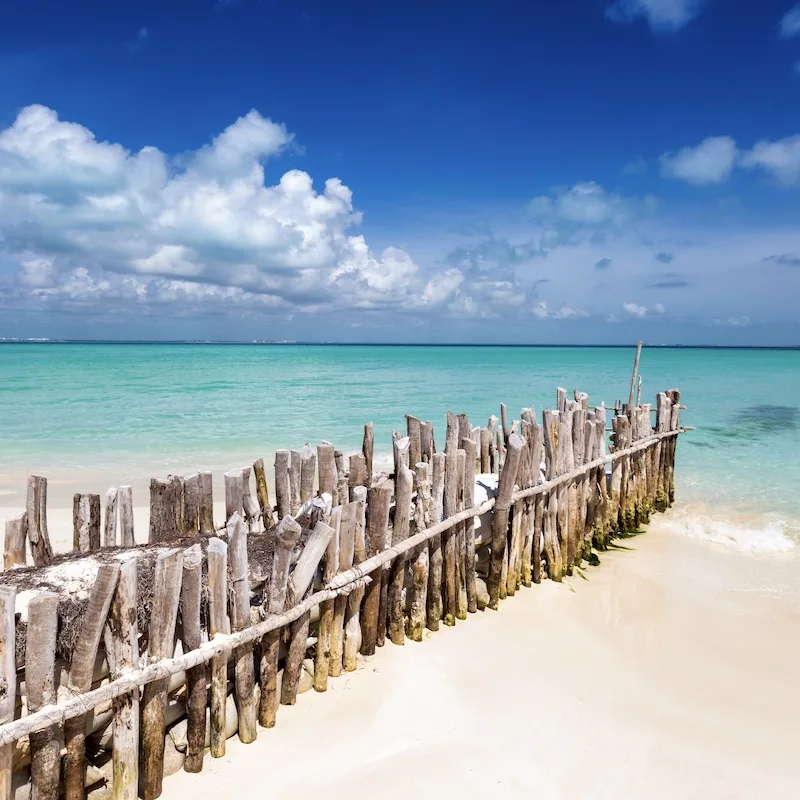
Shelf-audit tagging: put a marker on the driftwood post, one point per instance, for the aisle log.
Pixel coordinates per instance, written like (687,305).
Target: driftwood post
(427,444)
(167,589)
(330,568)
(196,685)
(124,657)
(110,527)
(126,532)
(468,446)
(283,492)
(206,503)
(217,555)
(346,537)
(500,515)
(240,619)
(420,561)
(234,493)
(80,676)
(295,469)
(14,543)
(461,542)
(41,549)
(40,655)
(352,619)
(358,473)
(308,466)
(414,432)
(8,680)
(191,505)
(86,522)
(166,502)
(287,535)
(262,493)
(251,508)
(300,583)
(368,448)
(377,521)
(435,604)
(326,466)
(397,573)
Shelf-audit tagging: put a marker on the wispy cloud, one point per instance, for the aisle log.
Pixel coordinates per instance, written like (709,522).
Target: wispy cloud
(785,259)
(140,40)
(665,258)
(711,161)
(790,23)
(603,263)
(714,159)
(663,16)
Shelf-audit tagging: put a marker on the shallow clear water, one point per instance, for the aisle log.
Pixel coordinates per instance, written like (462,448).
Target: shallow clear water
(128,411)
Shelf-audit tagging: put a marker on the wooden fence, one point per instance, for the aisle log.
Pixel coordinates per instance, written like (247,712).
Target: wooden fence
(184,642)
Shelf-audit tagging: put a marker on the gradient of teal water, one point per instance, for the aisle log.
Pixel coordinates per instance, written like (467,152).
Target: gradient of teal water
(137,410)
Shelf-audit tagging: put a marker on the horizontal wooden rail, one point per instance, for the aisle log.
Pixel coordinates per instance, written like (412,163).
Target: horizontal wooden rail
(342,584)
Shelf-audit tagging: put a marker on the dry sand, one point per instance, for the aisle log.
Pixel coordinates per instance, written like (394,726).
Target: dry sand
(671,672)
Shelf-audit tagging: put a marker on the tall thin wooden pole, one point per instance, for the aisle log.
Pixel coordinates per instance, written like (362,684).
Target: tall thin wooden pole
(635,373)
(8,678)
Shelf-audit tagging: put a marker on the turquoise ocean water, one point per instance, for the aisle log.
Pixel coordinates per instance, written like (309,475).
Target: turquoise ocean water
(75,412)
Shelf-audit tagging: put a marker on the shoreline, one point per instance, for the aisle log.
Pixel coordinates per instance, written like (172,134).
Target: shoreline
(676,656)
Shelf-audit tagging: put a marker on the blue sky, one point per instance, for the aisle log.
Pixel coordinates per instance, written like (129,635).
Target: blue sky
(587,171)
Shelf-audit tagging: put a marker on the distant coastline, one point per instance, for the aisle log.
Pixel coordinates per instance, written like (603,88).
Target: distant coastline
(292,342)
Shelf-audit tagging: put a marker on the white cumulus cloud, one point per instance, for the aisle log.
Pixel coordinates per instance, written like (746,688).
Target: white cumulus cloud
(780,158)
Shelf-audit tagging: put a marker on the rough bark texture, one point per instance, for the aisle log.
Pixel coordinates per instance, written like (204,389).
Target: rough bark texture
(400,532)
(217,555)
(380,497)
(14,543)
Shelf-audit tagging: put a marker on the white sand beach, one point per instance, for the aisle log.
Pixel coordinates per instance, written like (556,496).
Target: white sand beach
(670,672)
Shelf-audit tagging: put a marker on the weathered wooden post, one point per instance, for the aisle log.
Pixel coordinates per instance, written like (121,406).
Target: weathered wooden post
(461,540)
(283,491)
(552,546)
(86,522)
(468,446)
(308,466)
(126,530)
(191,505)
(205,503)
(358,473)
(110,527)
(80,675)
(505,489)
(287,535)
(262,493)
(435,603)
(400,532)
(240,619)
(295,470)
(166,510)
(346,539)
(368,449)
(352,620)
(41,549)
(166,597)
(14,542)
(326,464)
(380,497)
(251,508)
(420,561)
(415,440)
(8,679)
(123,658)
(427,444)
(326,608)
(234,494)
(40,655)
(217,555)
(299,584)
(196,683)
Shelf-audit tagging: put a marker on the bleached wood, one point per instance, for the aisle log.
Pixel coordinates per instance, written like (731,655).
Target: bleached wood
(427,443)
(326,609)
(161,645)
(352,619)
(326,467)
(86,522)
(110,526)
(40,688)
(415,440)
(251,508)
(8,679)
(377,521)
(244,685)
(283,491)
(435,599)
(16,534)
(217,556)
(308,466)
(125,658)
(420,560)
(287,534)
(262,493)
(400,532)
(191,504)
(295,469)
(192,638)
(80,675)
(126,528)
(368,449)
(41,549)
(234,493)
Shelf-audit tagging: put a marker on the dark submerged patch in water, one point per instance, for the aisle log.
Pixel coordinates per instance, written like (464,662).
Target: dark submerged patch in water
(767,419)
